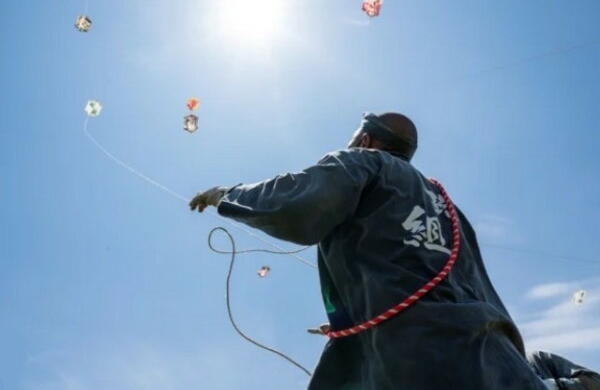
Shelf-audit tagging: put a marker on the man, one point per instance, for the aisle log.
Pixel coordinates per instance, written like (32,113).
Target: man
(383,231)
(561,374)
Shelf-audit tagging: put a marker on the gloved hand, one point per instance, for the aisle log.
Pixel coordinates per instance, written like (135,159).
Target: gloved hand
(322,330)
(210,197)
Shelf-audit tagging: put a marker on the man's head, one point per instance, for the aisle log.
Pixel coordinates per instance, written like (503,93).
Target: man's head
(390,131)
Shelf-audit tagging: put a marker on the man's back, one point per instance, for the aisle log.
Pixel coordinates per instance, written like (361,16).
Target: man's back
(458,336)
(383,232)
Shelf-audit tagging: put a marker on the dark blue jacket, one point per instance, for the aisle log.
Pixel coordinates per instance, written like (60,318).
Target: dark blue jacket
(383,231)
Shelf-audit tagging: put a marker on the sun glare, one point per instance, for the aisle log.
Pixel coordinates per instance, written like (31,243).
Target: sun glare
(251,22)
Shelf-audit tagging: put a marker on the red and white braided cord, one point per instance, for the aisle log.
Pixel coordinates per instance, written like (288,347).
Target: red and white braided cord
(386,315)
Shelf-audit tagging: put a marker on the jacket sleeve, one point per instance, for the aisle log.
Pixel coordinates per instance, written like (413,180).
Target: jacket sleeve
(303,207)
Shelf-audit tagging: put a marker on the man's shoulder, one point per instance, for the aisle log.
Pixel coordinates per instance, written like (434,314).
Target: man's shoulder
(372,157)
(356,155)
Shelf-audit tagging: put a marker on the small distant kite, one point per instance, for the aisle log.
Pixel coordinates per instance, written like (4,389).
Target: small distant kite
(264,271)
(83,23)
(193,104)
(372,7)
(578,297)
(190,123)
(93,108)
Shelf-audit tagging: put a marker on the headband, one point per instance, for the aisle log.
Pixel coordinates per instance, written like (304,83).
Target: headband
(372,125)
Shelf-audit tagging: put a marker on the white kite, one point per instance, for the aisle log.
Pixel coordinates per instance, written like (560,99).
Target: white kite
(93,108)
(578,297)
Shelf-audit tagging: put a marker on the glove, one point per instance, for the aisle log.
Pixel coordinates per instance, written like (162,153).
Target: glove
(322,330)
(210,197)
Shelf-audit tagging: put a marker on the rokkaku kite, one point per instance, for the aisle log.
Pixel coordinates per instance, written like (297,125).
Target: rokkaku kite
(83,23)
(372,7)
(93,108)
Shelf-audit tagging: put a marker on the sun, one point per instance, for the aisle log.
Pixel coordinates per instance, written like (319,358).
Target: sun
(251,22)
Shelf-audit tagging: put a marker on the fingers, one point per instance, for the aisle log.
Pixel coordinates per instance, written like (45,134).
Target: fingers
(198,202)
(199,206)
(207,198)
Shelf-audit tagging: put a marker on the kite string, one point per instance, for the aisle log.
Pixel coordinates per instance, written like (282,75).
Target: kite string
(183,198)
(233,252)
(130,169)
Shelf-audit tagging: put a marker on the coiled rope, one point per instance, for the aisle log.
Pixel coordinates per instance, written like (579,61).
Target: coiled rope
(233,252)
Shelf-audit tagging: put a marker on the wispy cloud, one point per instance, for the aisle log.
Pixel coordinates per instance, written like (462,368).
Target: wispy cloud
(550,290)
(560,325)
(494,228)
(585,339)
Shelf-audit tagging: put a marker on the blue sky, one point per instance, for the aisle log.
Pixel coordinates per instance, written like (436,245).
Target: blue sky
(107,282)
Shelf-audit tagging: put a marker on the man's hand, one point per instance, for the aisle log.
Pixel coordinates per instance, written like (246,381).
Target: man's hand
(322,330)
(209,197)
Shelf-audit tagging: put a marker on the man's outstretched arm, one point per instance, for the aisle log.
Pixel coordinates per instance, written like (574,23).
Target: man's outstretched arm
(300,207)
